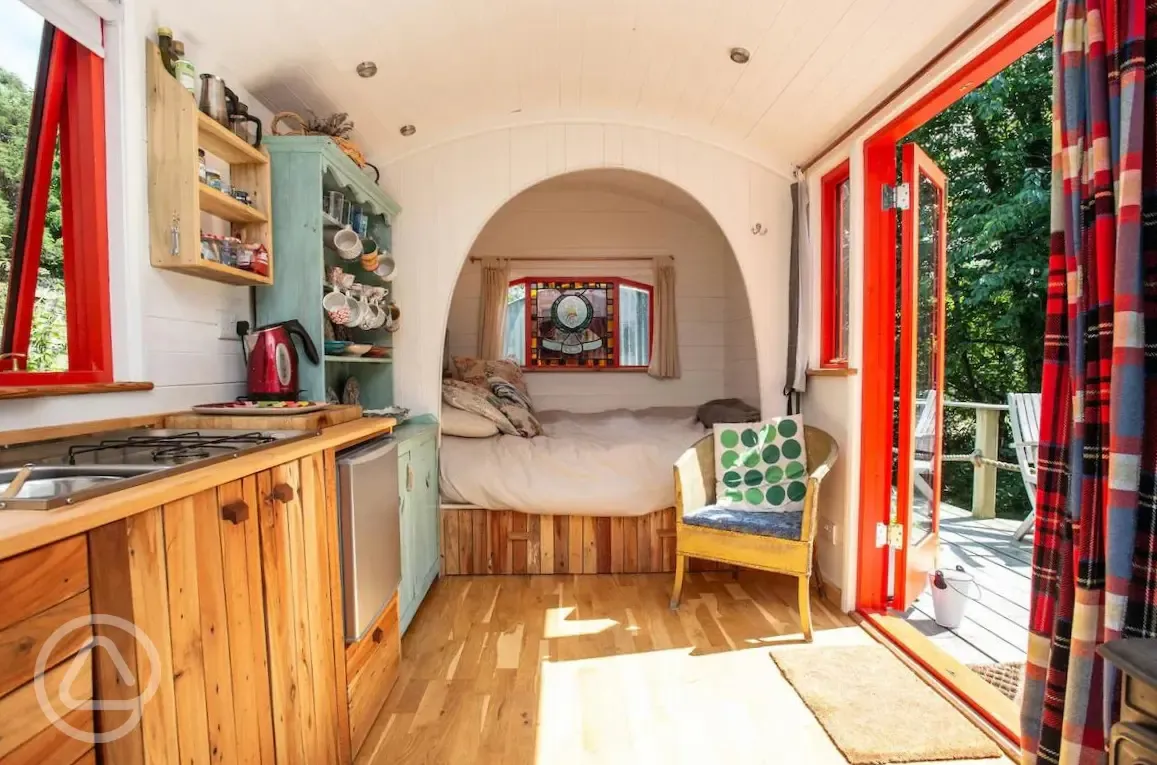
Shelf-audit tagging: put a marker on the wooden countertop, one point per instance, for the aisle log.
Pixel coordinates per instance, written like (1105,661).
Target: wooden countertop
(23,530)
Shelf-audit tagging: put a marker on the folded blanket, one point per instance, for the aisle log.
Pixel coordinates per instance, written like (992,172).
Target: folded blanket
(516,406)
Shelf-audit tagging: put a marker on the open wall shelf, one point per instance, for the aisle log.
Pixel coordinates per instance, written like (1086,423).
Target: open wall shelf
(177,198)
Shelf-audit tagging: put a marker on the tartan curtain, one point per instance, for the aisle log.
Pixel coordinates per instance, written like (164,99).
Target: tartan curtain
(1095,556)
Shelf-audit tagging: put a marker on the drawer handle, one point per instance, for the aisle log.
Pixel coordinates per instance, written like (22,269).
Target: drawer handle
(282,492)
(235,512)
(378,635)
(409,477)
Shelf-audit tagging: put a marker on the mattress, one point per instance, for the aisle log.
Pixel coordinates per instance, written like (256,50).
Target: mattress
(616,463)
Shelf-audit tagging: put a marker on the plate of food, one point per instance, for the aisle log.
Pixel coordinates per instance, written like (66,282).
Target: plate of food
(260,408)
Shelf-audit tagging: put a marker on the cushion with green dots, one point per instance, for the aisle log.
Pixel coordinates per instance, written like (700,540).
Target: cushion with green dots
(761,466)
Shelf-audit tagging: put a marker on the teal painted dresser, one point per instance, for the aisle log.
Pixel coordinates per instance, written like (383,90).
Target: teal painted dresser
(304,169)
(418,483)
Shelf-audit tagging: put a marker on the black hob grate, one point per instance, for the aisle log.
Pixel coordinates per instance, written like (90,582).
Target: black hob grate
(174,448)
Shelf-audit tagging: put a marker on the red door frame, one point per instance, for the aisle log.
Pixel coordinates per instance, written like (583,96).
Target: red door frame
(880,288)
(879,325)
(916,558)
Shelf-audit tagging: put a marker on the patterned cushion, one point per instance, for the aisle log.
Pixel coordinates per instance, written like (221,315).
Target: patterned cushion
(761,466)
(471,398)
(478,371)
(785,525)
(521,418)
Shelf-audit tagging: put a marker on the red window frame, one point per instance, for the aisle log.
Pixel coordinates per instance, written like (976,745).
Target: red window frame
(614,364)
(833,287)
(68,103)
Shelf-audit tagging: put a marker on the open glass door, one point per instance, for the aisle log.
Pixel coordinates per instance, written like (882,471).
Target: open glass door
(923,267)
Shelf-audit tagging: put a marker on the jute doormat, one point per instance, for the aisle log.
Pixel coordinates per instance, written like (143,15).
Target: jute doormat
(1006,678)
(876,710)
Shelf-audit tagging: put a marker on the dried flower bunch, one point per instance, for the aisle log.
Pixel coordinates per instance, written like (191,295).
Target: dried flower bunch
(337,125)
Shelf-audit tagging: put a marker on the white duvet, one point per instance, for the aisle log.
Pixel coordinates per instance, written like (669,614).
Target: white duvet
(608,463)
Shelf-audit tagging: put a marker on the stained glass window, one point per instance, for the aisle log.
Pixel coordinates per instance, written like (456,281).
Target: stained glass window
(579,323)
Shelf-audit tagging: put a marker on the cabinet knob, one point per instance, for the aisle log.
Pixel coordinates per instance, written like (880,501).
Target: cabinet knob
(235,512)
(282,492)
(378,635)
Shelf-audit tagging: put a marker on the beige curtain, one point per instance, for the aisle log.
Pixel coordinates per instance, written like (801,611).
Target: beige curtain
(492,307)
(665,345)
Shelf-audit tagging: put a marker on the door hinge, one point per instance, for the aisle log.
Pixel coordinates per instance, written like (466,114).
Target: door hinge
(895,536)
(896,197)
(890,535)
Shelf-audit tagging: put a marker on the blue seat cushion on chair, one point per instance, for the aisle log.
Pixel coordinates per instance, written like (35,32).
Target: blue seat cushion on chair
(787,525)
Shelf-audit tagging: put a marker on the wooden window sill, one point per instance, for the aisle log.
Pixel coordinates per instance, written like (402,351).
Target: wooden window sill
(833,372)
(44,391)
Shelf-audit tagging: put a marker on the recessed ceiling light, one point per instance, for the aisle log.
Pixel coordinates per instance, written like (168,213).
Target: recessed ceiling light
(740,55)
(408,130)
(367,69)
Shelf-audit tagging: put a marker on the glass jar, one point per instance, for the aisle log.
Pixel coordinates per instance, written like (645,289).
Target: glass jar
(210,248)
(213,178)
(243,256)
(202,169)
(228,254)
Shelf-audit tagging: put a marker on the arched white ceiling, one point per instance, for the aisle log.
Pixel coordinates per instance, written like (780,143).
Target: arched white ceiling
(457,67)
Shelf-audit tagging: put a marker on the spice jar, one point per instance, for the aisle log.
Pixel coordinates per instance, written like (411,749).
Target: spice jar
(210,248)
(243,255)
(260,259)
(202,170)
(228,254)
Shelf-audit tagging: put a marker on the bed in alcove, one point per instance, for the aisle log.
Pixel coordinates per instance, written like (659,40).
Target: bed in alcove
(588,488)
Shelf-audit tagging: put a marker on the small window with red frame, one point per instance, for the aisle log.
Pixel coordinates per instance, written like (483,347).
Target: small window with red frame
(587,324)
(835,263)
(54,301)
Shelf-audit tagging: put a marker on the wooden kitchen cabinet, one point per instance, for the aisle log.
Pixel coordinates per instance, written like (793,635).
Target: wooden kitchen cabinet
(42,591)
(233,587)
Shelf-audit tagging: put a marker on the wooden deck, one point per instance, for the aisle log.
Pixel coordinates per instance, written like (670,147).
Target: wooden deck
(995,627)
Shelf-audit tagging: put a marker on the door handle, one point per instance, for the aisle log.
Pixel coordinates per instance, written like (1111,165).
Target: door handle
(409,477)
(282,492)
(235,512)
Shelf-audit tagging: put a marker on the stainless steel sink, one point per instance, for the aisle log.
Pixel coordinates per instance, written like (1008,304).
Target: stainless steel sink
(52,485)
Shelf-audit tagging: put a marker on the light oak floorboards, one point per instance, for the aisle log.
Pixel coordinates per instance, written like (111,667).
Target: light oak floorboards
(529,670)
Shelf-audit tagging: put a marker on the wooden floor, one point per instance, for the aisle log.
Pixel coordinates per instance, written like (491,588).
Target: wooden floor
(530,670)
(995,627)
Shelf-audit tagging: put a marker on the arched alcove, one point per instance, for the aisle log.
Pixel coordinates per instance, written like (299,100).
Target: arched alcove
(451,191)
(610,223)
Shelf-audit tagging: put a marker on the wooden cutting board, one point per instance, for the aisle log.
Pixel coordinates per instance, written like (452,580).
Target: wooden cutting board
(334,415)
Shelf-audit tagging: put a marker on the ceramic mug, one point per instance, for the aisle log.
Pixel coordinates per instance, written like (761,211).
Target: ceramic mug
(336,306)
(394,320)
(347,243)
(377,316)
(386,267)
(369,254)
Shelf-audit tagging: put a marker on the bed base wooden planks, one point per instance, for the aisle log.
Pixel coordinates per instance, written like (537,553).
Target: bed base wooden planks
(476,541)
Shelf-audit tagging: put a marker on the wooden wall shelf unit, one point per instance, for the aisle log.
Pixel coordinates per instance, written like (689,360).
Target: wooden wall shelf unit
(178,199)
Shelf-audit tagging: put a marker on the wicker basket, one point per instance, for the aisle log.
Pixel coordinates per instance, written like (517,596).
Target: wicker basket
(348,147)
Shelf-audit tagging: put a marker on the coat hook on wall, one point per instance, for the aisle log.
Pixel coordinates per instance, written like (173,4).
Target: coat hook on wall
(758,230)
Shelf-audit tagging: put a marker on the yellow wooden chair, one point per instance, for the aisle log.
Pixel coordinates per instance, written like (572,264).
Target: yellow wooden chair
(780,542)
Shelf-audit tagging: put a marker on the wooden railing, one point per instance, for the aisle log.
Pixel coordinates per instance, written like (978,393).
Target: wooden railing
(987,444)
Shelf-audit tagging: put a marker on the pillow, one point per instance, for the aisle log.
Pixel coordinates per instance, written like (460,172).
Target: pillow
(726,410)
(761,466)
(457,422)
(478,371)
(471,398)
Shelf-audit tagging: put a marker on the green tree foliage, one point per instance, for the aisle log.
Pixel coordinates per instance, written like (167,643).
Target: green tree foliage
(994,146)
(48,346)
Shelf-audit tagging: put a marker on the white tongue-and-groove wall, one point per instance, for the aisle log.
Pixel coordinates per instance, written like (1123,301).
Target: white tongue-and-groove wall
(450,192)
(567,226)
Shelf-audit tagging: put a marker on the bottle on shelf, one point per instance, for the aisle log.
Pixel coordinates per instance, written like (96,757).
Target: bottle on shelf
(183,69)
(165,43)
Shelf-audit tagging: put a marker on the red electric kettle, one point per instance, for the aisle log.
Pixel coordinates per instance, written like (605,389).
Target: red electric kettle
(273,360)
